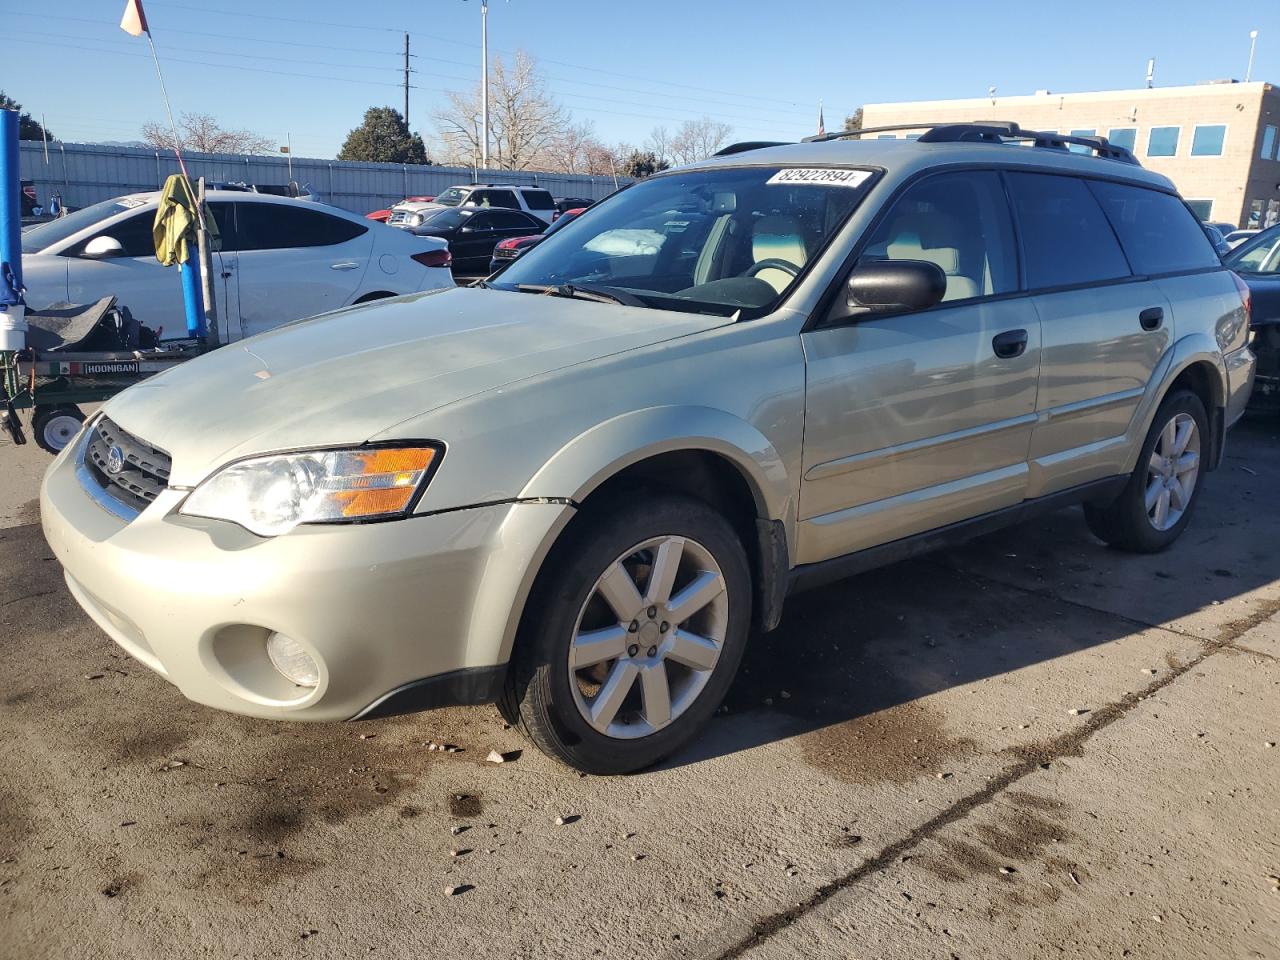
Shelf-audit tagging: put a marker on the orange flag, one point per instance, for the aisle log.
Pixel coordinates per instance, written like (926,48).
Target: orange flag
(134,21)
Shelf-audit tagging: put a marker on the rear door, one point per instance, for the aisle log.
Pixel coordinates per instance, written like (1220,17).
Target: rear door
(917,420)
(294,260)
(1106,322)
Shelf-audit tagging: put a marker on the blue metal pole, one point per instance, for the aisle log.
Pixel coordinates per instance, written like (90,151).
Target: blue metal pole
(191,299)
(10,195)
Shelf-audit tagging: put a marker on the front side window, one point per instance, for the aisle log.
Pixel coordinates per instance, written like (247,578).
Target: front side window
(1066,238)
(493,198)
(706,240)
(275,226)
(1158,233)
(1269,135)
(1126,137)
(1163,141)
(45,235)
(1207,140)
(961,223)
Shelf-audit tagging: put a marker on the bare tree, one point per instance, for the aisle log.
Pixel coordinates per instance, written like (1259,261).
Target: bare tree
(202,134)
(524,120)
(698,139)
(659,144)
(570,149)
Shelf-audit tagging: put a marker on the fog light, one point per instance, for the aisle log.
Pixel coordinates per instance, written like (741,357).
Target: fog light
(288,656)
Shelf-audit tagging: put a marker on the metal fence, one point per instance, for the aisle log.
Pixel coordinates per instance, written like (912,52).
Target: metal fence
(84,173)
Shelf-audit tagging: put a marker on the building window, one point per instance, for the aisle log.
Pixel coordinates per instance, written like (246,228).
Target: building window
(1201,208)
(1207,140)
(1269,144)
(1126,137)
(887,136)
(1075,147)
(1163,141)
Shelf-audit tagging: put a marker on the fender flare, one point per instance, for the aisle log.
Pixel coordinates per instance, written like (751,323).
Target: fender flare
(1186,352)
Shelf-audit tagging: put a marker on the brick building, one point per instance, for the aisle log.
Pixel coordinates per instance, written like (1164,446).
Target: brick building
(1219,142)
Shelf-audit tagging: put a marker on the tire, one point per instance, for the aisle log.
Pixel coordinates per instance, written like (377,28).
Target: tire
(55,427)
(589,585)
(1130,522)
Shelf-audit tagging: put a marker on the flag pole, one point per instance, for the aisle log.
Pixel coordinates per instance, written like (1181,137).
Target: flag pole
(177,141)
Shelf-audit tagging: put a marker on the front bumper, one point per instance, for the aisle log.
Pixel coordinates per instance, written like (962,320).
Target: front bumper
(383,607)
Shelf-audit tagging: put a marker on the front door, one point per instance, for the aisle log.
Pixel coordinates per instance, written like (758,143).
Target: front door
(917,420)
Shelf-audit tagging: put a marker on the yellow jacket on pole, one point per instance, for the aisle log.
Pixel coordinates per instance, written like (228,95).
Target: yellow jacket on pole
(176,220)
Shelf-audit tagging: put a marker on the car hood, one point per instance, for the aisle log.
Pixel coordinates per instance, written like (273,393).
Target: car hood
(344,377)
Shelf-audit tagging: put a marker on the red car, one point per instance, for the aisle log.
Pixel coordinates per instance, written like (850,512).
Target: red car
(508,250)
(382,216)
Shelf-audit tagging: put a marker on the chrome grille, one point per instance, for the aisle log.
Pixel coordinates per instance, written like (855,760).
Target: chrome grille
(143,470)
(399,216)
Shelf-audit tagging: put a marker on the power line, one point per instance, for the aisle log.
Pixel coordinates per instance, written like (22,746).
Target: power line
(163,4)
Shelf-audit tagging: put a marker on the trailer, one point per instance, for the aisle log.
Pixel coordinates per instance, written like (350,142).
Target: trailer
(57,373)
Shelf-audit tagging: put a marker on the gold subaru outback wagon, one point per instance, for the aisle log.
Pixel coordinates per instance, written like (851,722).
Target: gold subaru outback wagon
(577,488)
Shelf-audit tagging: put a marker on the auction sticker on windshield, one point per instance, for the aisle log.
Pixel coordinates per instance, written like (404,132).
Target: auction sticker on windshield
(821,176)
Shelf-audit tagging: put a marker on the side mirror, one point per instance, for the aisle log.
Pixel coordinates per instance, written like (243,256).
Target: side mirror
(883,286)
(467,229)
(103,248)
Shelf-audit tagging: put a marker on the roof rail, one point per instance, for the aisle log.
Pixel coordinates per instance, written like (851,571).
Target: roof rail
(992,131)
(746,145)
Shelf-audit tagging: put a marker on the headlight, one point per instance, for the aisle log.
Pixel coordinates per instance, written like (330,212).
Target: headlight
(272,495)
(416,220)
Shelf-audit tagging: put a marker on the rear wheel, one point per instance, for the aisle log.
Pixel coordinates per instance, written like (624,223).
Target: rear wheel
(633,635)
(1156,503)
(55,427)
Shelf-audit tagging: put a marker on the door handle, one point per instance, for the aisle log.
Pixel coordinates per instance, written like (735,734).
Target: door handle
(1151,318)
(1009,344)
(348,265)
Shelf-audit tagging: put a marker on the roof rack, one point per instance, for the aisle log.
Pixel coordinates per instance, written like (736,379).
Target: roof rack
(991,131)
(745,145)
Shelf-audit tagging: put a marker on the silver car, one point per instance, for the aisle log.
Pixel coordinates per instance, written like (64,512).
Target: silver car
(578,489)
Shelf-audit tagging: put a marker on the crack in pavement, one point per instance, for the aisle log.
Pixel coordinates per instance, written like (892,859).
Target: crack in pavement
(1033,757)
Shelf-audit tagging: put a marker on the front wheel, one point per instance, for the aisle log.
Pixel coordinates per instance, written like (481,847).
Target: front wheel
(1155,505)
(633,635)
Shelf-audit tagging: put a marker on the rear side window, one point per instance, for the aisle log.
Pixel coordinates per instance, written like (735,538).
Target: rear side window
(275,226)
(539,199)
(1158,233)
(959,221)
(1066,238)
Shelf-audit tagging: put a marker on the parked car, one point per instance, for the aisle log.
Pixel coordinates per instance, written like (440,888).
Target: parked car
(471,232)
(1216,238)
(565,204)
(1237,237)
(1257,261)
(514,247)
(595,473)
(531,200)
(382,216)
(281,260)
(1222,227)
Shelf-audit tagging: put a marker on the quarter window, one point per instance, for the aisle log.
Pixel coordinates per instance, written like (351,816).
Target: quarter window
(1066,239)
(275,226)
(1269,144)
(1207,140)
(1163,141)
(1158,233)
(959,221)
(1126,137)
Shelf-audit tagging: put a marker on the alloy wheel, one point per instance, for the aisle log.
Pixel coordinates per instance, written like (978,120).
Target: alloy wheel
(648,637)
(1172,471)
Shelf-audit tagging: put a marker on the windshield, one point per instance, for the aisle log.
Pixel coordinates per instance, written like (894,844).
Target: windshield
(446,219)
(55,231)
(452,197)
(1259,254)
(716,240)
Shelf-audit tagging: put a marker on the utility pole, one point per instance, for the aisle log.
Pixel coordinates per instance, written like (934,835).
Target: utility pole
(1253,43)
(484,82)
(406,79)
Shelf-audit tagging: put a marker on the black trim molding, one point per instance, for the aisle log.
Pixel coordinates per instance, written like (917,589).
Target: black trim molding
(458,688)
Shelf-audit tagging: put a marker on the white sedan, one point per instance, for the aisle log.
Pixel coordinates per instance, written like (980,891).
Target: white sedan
(281,260)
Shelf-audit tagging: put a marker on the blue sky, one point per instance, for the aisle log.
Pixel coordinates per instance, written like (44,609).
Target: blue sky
(309,68)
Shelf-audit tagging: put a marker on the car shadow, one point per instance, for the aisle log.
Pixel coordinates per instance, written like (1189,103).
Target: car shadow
(1025,595)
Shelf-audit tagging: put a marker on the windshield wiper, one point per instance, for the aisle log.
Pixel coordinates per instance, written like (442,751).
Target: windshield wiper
(578,292)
